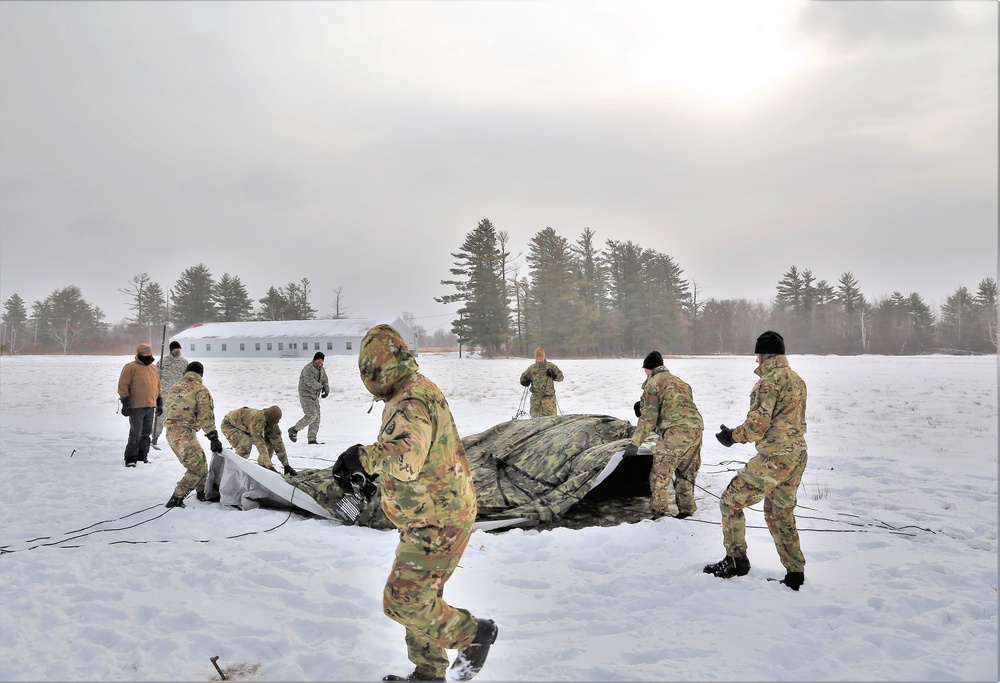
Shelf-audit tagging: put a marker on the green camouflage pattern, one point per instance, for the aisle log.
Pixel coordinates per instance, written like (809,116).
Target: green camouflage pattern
(775,480)
(246,428)
(667,405)
(189,405)
(669,413)
(312,381)
(776,424)
(425,484)
(185,445)
(531,469)
(171,369)
(776,421)
(543,388)
(423,473)
(538,469)
(425,560)
(676,461)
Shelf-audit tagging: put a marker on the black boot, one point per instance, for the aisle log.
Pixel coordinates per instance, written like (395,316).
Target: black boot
(470,661)
(794,580)
(293,434)
(417,675)
(728,567)
(175,502)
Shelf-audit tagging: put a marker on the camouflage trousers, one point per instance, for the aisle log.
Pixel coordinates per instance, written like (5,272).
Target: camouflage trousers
(773,478)
(158,425)
(543,406)
(676,461)
(310,406)
(185,445)
(425,560)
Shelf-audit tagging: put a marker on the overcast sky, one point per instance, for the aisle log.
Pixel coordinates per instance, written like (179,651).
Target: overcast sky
(357,143)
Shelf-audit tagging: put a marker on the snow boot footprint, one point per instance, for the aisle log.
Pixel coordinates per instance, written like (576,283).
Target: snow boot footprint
(470,661)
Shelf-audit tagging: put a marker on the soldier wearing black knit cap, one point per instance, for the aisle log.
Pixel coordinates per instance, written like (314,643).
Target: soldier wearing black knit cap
(776,425)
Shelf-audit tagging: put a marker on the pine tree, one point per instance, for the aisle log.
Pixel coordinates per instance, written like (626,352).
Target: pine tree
(985,310)
(484,318)
(590,295)
(854,309)
(231,299)
(148,302)
(15,317)
(273,306)
(193,297)
(958,320)
(552,306)
(64,317)
(297,296)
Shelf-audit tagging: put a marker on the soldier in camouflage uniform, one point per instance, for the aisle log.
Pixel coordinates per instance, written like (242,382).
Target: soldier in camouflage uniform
(313,385)
(541,377)
(776,424)
(171,369)
(427,492)
(667,408)
(248,427)
(190,408)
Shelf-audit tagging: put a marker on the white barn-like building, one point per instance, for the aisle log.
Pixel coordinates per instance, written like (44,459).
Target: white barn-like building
(283,338)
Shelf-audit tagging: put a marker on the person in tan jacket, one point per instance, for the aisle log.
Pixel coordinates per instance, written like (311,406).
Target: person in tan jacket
(141,397)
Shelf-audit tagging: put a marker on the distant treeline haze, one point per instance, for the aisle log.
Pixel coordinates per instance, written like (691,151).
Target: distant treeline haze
(575,299)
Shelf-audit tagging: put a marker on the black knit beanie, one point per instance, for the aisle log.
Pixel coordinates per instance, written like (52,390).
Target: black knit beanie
(653,360)
(195,366)
(175,345)
(319,355)
(770,342)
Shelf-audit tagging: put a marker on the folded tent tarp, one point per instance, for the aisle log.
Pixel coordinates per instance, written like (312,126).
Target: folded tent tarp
(525,471)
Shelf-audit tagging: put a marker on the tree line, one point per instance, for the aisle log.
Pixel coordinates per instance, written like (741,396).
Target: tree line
(576,299)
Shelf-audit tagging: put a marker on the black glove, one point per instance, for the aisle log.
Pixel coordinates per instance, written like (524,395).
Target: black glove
(159,405)
(725,436)
(289,470)
(551,373)
(637,407)
(630,450)
(126,406)
(347,464)
(213,441)
(525,382)
(324,393)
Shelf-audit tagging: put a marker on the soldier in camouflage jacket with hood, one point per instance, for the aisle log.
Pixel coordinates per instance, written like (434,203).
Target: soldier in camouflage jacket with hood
(427,492)
(776,424)
(667,408)
(189,409)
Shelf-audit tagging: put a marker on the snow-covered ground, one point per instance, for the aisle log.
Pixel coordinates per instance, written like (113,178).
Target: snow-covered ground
(898,512)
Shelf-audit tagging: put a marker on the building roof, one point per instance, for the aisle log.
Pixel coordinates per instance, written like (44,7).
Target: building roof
(284,329)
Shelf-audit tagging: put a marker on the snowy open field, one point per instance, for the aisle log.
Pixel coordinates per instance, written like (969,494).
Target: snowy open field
(898,518)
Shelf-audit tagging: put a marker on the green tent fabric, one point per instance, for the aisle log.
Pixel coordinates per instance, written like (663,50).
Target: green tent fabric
(523,469)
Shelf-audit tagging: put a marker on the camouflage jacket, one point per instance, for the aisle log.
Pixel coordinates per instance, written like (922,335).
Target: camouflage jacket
(190,405)
(266,437)
(423,472)
(312,380)
(776,421)
(140,383)
(171,370)
(541,383)
(667,404)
